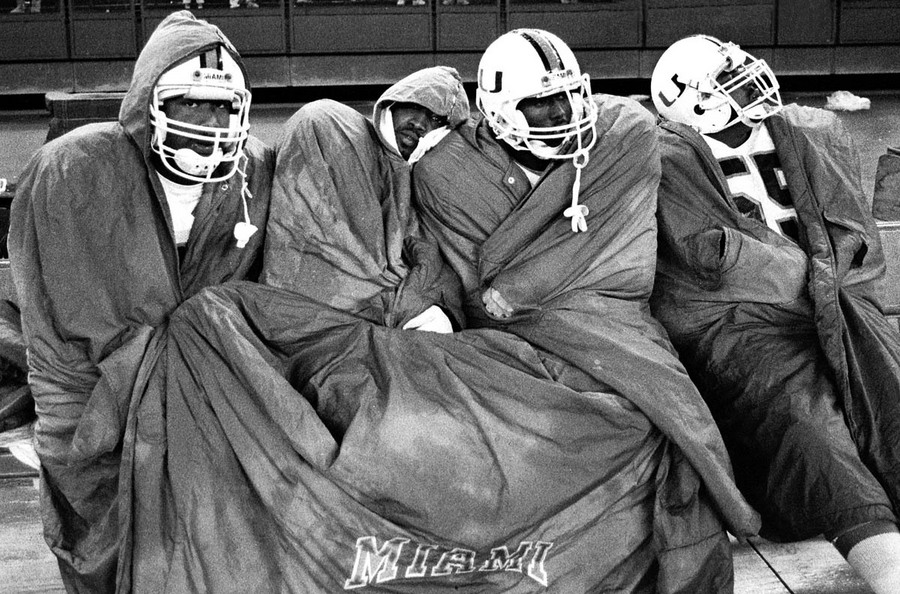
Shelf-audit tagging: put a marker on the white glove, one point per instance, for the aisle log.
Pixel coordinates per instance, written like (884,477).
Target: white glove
(432,319)
(495,304)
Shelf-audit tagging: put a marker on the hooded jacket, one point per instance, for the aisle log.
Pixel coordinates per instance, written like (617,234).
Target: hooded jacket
(343,230)
(770,329)
(97,273)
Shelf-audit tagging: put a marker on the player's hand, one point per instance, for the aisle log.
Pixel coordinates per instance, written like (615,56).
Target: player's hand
(432,319)
(495,304)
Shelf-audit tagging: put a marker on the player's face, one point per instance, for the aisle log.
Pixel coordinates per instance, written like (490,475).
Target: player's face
(199,113)
(412,122)
(547,112)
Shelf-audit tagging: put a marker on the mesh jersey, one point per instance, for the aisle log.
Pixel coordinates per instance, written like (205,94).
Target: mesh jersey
(756,181)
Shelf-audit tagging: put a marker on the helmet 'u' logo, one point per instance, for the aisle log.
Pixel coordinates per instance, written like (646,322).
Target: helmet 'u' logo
(498,82)
(678,85)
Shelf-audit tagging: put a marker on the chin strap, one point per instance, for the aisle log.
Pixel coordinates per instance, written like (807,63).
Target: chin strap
(244,230)
(578,212)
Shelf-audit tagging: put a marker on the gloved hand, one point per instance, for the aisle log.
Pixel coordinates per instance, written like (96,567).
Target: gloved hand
(432,319)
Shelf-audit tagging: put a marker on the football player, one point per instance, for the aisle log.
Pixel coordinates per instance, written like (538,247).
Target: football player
(545,208)
(341,204)
(199,114)
(768,261)
(113,226)
(537,107)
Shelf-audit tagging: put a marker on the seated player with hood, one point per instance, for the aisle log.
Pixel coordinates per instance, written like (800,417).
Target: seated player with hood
(113,226)
(342,229)
(766,281)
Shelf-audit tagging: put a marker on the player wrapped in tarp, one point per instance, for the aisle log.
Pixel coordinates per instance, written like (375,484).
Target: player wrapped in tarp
(286,444)
(97,272)
(583,298)
(778,335)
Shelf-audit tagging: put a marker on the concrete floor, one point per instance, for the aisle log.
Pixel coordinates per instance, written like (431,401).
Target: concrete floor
(22,133)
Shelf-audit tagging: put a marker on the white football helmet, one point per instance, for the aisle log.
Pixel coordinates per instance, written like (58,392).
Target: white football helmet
(526,63)
(687,85)
(213,75)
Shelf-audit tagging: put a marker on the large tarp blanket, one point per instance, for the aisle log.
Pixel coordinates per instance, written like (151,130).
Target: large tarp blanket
(280,444)
(97,271)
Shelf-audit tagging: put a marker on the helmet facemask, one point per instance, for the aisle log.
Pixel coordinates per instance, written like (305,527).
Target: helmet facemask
(756,79)
(213,76)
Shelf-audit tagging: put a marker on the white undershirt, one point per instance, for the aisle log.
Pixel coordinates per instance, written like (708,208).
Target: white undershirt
(747,168)
(532,175)
(182,200)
